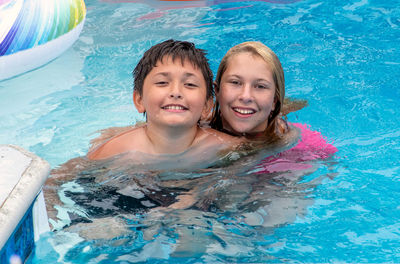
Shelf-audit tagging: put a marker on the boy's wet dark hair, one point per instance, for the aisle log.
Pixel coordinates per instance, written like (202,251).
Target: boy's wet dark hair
(177,50)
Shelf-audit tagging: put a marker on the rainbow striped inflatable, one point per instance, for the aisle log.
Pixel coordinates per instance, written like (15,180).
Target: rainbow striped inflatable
(34,32)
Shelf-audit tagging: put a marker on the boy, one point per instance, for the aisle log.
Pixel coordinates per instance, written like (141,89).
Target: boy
(173,87)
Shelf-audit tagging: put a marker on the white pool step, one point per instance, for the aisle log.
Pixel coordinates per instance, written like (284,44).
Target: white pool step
(22,175)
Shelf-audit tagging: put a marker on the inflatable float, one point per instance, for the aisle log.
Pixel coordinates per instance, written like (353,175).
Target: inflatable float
(34,32)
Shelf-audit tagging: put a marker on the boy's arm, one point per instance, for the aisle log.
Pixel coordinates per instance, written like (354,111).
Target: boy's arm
(101,152)
(107,134)
(58,176)
(110,148)
(115,145)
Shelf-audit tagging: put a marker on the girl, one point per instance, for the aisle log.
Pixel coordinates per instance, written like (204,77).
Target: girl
(250,92)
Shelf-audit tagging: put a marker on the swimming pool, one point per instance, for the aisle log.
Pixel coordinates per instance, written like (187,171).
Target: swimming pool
(342,57)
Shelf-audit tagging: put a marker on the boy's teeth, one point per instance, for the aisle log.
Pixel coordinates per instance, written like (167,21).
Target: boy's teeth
(244,111)
(173,107)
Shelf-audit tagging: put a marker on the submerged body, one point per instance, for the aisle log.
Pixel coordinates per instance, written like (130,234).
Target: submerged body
(158,201)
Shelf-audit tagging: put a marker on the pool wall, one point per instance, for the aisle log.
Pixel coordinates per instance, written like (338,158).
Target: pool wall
(22,213)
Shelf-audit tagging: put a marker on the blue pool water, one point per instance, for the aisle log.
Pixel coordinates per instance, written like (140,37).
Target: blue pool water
(343,57)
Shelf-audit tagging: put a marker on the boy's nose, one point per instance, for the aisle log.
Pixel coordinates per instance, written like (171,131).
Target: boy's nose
(175,91)
(174,95)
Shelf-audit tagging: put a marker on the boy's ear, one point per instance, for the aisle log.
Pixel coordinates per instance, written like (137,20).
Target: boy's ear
(207,109)
(216,88)
(137,100)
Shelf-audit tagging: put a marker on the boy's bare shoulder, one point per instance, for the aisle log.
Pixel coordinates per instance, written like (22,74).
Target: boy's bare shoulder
(216,137)
(118,144)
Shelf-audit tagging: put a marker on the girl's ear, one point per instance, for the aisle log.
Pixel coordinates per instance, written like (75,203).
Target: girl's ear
(138,101)
(273,105)
(207,109)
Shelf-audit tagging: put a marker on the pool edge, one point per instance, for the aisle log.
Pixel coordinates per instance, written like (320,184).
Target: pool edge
(23,194)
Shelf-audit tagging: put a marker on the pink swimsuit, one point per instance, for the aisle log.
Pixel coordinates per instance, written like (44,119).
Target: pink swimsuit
(311,146)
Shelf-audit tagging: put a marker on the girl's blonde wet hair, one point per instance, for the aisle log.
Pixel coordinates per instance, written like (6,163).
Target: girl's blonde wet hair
(257,49)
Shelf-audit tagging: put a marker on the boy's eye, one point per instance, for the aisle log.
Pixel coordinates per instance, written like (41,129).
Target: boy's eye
(191,85)
(161,83)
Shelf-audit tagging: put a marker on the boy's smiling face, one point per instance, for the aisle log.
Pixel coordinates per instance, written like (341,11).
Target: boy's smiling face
(174,94)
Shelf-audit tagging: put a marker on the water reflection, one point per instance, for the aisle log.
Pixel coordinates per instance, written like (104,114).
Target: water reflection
(162,6)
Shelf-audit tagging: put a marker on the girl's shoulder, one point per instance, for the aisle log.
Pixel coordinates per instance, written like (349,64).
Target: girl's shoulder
(313,144)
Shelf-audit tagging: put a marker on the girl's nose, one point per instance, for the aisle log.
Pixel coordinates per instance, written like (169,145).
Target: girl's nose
(246,94)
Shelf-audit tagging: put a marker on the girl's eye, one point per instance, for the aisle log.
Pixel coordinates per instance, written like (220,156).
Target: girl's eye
(262,86)
(235,82)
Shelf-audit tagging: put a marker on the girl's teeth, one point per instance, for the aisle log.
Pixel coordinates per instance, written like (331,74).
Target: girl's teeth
(244,111)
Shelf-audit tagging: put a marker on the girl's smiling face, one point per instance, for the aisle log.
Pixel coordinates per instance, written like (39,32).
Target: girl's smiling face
(246,94)
(174,94)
